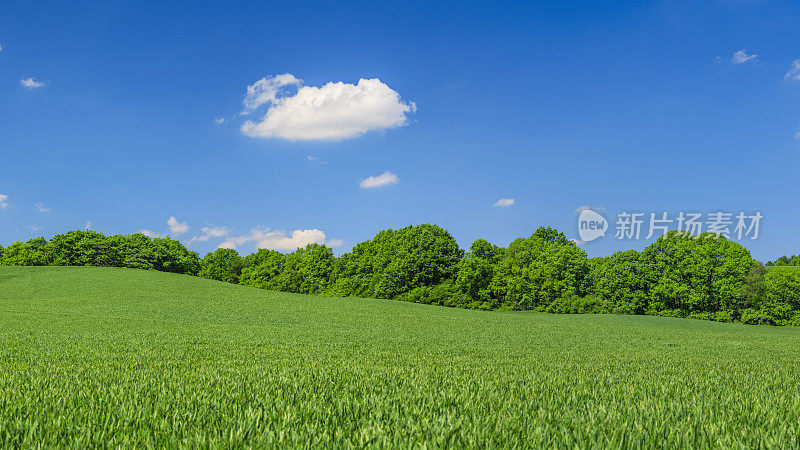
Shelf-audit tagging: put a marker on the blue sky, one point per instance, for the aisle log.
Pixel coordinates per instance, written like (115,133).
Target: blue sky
(630,106)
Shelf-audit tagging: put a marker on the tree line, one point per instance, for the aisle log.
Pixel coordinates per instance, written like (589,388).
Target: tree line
(706,276)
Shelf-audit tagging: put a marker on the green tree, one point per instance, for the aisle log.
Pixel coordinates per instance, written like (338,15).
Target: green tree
(781,300)
(475,273)
(134,251)
(782,285)
(224,264)
(786,261)
(754,290)
(305,270)
(695,274)
(30,253)
(617,282)
(81,248)
(170,255)
(260,269)
(397,261)
(544,272)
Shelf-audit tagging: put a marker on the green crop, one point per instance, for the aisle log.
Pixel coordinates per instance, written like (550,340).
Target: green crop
(133,358)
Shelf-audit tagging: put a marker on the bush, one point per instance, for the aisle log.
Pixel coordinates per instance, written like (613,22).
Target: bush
(445,294)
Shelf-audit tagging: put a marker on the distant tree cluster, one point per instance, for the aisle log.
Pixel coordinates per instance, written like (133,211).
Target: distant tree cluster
(706,276)
(90,248)
(785,261)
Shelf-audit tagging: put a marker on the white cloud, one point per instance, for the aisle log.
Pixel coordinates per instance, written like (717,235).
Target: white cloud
(176,227)
(503,202)
(334,243)
(741,56)
(3,203)
(219,120)
(383,179)
(41,207)
(88,225)
(31,83)
(209,232)
(146,232)
(794,73)
(35,228)
(797,135)
(279,240)
(331,112)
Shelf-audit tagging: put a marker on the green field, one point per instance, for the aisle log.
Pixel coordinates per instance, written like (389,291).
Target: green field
(107,357)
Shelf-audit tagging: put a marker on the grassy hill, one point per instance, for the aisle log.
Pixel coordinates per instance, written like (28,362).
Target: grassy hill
(92,356)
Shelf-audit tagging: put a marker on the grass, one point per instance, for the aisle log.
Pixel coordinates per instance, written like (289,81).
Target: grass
(117,357)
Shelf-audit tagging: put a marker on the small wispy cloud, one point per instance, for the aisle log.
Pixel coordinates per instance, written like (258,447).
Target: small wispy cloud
(266,90)
(146,232)
(176,227)
(505,202)
(741,56)
(384,179)
(4,201)
(315,160)
(334,243)
(738,57)
(31,83)
(219,120)
(35,228)
(794,72)
(210,232)
(41,207)
(88,225)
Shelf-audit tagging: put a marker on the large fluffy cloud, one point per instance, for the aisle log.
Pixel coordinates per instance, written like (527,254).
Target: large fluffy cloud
(279,240)
(331,112)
